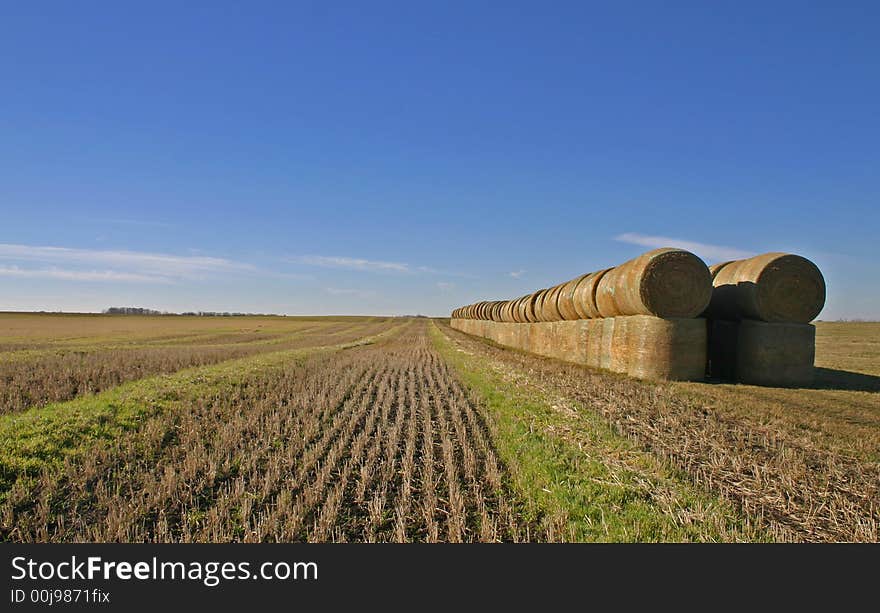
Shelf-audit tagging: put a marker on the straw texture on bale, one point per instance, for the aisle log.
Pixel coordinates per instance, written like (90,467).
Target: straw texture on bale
(773,287)
(607,342)
(672,349)
(565,301)
(641,346)
(549,310)
(776,354)
(619,358)
(664,282)
(594,342)
(584,297)
(531,309)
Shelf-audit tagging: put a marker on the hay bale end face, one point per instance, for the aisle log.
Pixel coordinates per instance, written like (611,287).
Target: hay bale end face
(773,287)
(669,283)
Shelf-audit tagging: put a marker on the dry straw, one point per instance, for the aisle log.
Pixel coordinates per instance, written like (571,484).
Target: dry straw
(664,282)
(606,342)
(665,348)
(584,296)
(773,287)
(565,301)
(619,358)
(594,342)
(549,308)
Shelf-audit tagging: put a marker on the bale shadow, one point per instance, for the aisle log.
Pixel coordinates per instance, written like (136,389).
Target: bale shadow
(823,379)
(833,379)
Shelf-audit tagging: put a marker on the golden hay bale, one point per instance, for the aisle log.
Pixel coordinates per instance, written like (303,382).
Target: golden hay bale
(584,295)
(504,311)
(593,342)
(664,282)
(773,287)
(607,341)
(540,295)
(777,354)
(578,332)
(516,310)
(565,301)
(492,330)
(523,309)
(541,341)
(565,340)
(511,311)
(673,349)
(497,305)
(619,358)
(531,309)
(509,334)
(549,307)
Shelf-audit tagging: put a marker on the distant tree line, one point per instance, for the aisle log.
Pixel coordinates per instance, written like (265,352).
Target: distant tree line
(143,311)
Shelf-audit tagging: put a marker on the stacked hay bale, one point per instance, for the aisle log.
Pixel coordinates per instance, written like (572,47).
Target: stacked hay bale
(759,314)
(637,318)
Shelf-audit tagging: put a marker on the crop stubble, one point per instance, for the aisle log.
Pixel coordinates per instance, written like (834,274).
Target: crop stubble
(375,443)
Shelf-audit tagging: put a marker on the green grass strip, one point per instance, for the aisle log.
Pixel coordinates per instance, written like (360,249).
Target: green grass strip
(573,469)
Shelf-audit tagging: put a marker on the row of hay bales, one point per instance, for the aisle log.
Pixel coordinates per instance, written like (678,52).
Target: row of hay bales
(641,346)
(667,283)
(665,314)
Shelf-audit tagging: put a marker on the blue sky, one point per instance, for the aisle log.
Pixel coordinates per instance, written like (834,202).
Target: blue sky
(392,157)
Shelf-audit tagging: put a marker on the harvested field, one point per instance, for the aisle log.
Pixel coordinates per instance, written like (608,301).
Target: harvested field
(34,377)
(406,430)
(802,464)
(375,444)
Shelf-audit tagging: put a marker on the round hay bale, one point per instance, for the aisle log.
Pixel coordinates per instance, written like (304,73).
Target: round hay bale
(502,310)
(549,307)
(664,282)
(495,312)
(521,309)
(584,297)
(509,306)
(565,302)
(773,287)
(531,309)
(540,296)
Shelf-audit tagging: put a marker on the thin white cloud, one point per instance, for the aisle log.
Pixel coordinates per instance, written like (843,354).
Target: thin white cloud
(712,253)
(79,275)
(125,262)
(361,264)
(516,274)
(445,285)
